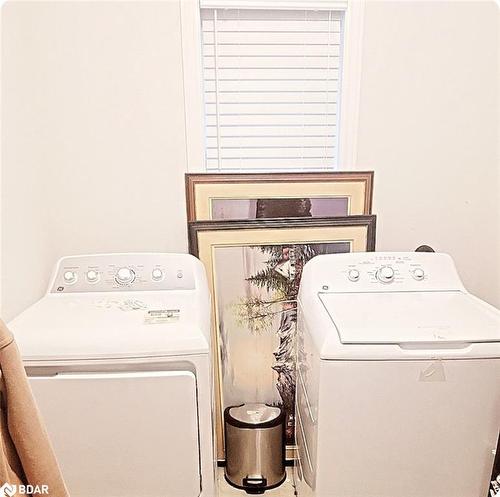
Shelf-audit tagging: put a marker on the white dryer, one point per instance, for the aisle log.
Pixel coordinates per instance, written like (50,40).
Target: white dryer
(117,353)
(398,389)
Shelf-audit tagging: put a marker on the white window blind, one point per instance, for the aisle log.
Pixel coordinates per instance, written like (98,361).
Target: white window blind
(271,84)
(275,4)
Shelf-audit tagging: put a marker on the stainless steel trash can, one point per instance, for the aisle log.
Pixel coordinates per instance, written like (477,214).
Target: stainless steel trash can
(255,447)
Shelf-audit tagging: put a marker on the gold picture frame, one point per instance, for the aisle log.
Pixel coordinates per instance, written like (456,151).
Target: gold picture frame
(331,194)
(220,245)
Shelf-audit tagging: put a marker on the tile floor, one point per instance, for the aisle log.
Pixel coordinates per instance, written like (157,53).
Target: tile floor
(285,490)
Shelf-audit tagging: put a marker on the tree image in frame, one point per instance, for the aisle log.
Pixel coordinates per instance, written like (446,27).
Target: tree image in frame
(279,280)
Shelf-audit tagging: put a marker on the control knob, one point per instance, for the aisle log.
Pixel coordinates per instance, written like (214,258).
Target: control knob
(70,277)
(157,274)
(385,274)
(92,276)
(418,273)
(125,276)
(353,274)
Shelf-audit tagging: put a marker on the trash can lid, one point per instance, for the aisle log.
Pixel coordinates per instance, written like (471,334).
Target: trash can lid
(254,414)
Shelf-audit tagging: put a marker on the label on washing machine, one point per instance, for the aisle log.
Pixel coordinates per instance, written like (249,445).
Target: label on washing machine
(162,316)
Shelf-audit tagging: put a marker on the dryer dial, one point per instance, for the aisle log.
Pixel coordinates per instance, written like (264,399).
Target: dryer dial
(70,277)
(125,276)
(92,276)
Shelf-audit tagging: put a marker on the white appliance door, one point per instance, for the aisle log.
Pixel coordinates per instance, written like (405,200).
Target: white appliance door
(411,317)
(123,434)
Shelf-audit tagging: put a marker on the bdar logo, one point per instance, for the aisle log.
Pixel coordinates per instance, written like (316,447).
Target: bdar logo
(7,490)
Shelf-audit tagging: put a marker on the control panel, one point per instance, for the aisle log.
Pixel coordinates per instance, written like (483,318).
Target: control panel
(123,272)
(385,272)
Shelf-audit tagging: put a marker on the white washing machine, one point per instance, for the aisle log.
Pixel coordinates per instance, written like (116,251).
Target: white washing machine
(398,381)
(117,353)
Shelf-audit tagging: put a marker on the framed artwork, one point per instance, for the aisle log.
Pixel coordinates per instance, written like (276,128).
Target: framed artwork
(254,270)
(277,195)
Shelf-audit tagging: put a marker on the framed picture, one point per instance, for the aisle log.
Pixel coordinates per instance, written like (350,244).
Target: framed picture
(277,195)
(254,270)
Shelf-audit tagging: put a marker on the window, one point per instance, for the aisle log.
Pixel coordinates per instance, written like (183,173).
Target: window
(271,88)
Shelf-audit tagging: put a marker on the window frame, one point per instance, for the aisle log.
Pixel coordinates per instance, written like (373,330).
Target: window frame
(351,61)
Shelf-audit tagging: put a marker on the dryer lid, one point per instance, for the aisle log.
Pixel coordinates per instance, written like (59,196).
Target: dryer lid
(411,317)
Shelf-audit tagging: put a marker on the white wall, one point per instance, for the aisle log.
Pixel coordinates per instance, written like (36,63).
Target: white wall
(93,135)
(429,114)
(94,146)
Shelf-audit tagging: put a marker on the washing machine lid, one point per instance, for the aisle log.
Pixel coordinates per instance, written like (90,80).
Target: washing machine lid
(108,326)
(411,318)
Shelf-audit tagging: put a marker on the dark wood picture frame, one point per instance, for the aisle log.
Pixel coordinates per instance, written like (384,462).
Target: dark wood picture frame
(207,237)
(320,222)
(282,181)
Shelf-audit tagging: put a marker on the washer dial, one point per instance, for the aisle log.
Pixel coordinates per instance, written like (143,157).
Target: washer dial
(418,273)
(353,275)
(385,274)
(157,274)
(125,276)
